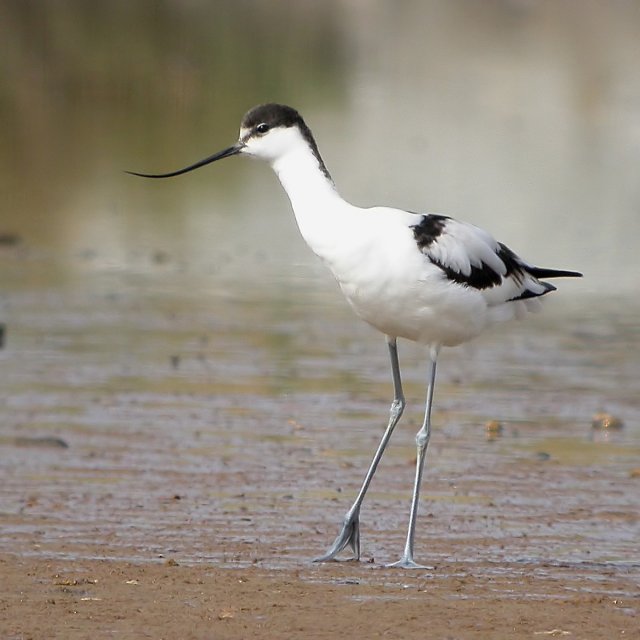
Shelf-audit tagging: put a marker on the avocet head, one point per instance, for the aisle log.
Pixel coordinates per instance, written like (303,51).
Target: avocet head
(268,131)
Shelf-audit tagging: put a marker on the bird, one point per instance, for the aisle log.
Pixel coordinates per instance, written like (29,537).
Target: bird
(424,277)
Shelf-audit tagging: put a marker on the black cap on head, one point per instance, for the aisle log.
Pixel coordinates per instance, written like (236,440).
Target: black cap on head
(272,114)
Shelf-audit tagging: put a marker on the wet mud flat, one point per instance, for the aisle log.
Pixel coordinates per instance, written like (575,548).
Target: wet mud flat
(173,454)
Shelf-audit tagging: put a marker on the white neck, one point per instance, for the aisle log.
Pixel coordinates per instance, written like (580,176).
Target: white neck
(313,196)
(301,176)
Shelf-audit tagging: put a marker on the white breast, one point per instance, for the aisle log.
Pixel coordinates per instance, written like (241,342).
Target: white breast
(392,285)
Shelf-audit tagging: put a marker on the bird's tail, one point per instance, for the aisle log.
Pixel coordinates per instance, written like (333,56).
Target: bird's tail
(540,272)
(528,300)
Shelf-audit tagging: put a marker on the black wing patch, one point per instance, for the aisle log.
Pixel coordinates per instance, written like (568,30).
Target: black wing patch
(515,267)
(429,229)
(432,226)
(483,276)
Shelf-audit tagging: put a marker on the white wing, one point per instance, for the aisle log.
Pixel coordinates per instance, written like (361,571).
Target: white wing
(471,257)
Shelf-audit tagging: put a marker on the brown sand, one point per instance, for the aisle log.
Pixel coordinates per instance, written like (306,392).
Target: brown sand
(111,599)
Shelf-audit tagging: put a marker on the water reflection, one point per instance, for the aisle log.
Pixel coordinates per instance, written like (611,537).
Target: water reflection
(519,116)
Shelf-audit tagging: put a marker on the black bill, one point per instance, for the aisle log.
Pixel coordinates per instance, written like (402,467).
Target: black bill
(231,151)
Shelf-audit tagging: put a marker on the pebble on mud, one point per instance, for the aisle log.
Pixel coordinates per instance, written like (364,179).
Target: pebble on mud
(493,430)
(227,613)
(602,421)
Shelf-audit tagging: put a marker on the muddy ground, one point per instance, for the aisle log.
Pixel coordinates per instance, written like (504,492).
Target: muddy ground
(117,599)
(172,458)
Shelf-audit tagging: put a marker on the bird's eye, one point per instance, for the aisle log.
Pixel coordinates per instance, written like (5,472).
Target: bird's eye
(262,128)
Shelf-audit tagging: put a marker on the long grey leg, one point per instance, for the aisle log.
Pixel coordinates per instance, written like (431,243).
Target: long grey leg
(422,441)
(350,533)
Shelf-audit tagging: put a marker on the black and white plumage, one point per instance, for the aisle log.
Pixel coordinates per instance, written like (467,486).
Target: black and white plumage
(423,277)
(470,257)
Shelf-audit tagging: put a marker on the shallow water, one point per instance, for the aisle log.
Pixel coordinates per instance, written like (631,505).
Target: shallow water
(214,424)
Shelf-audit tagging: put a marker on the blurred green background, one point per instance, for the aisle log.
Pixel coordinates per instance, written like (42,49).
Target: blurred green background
(522,116)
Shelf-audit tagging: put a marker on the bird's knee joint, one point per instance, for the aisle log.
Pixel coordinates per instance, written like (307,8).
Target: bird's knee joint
(422,439)
(397,407)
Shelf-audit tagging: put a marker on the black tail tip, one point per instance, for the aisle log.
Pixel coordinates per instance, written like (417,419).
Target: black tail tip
(540,273)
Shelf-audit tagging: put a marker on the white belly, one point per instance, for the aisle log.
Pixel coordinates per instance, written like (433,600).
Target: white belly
(395,288)
(421,311)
